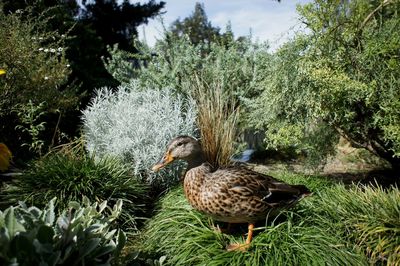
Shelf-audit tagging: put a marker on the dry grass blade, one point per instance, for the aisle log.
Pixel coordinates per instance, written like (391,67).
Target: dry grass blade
(73,148)
(217,120)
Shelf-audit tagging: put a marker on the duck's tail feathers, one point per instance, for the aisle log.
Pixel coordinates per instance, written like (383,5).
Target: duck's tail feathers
(304,191)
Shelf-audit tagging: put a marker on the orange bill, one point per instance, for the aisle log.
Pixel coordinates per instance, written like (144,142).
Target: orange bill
(166,159)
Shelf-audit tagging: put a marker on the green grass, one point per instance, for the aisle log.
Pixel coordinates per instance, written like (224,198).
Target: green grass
(335,226)
(70,177)
(366,216)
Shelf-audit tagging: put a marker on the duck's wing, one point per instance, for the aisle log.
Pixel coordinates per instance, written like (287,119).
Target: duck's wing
(247,183)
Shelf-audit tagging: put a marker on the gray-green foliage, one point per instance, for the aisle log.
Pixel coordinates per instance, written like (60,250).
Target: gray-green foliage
(340,79)
(136,124)
(238,66)
(80,235)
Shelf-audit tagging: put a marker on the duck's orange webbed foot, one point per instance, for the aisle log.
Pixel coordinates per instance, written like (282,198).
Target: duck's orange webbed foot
(237,247)
(245,246)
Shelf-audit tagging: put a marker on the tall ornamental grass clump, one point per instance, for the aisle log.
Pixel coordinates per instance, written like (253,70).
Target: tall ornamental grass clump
(136,124)
(70,177)
(217,120)
(334,226)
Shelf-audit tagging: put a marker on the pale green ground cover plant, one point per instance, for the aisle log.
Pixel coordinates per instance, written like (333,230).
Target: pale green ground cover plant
(80,235)
(136,124)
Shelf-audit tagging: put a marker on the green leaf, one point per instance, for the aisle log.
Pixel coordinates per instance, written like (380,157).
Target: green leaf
(74,205)
(63,222)
(104,250)
(11,223)
(50,215)
(110,234)
(89,246)
(45,234)
(121,240)
(102,206)
(162,259)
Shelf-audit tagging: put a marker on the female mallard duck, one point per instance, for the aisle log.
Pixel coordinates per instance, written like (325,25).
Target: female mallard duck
(234,194)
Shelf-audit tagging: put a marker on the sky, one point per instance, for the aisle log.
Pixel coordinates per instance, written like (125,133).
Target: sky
(268,20)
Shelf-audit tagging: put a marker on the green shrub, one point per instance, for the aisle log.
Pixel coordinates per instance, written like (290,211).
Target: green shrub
(334,226)
(341,79)
(238,66)
(36,73)
(70,177)
(34,61)
(81,235)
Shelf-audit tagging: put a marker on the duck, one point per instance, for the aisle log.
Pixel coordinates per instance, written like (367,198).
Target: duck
(232,194)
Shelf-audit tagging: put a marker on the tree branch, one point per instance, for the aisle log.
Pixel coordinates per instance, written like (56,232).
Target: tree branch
(370,15)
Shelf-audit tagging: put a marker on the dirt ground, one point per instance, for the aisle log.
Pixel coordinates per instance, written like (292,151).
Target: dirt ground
(348,165)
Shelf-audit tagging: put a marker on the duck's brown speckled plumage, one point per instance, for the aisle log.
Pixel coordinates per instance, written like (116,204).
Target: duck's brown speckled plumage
(234,194)
(237,194)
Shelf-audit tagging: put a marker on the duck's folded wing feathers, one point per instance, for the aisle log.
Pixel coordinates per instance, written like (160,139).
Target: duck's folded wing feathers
(268,189)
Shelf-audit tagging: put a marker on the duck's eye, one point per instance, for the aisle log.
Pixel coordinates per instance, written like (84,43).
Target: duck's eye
(179,144)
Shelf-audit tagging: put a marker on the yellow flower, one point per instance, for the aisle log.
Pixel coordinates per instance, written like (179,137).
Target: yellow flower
(2,71)
(5,157)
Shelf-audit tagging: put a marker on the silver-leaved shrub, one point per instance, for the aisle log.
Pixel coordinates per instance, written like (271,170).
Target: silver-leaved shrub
(136,124)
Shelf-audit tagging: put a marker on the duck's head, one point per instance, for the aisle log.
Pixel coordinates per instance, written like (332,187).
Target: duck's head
(182,147)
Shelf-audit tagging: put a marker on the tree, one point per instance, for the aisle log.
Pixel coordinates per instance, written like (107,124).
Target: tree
(91,29)
(85,32)
(198,28)
(342,79)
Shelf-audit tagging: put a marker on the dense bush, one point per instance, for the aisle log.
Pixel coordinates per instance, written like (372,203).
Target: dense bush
(36,74)
(71,177)
(136,125)
(238,66)
(340,79)
(81,235)
(334,226)
(34,61)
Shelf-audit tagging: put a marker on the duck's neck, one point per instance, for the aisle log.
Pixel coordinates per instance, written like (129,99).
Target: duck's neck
(195,161)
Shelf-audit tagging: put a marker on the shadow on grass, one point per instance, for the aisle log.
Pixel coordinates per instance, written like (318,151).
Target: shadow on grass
(384,178)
